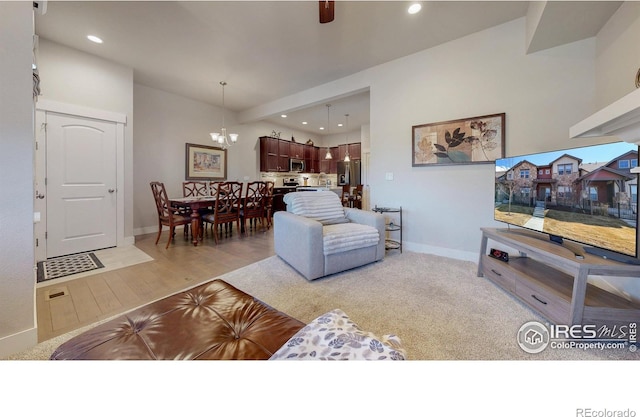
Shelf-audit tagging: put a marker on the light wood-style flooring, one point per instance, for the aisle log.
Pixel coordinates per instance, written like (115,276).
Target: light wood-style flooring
(100,296)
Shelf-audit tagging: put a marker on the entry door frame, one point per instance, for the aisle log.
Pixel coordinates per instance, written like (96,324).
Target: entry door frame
(541,193)
(43,107)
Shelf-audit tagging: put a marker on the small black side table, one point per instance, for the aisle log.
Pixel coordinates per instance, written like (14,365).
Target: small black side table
(392,226)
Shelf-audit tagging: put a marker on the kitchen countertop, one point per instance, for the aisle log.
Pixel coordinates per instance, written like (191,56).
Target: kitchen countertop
(320,188)
(309,187)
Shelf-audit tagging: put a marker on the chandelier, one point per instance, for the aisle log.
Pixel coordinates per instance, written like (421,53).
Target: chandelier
(346,156)
(222,138)
(328,154)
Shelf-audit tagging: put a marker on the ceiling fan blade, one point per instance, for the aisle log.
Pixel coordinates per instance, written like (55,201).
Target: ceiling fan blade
(327,8)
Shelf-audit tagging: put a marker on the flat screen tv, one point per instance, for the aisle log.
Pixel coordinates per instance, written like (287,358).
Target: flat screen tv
(587,195)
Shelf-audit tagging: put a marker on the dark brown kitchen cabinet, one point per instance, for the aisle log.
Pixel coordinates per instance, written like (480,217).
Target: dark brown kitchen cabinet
(311,161)
(342,151)
(283,155)
(268,154)
(329,166)
(354,150)
(308,151)
(296,150)
(334,160)
(274,155)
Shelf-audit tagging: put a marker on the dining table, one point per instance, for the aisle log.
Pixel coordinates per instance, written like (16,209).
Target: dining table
(194,204)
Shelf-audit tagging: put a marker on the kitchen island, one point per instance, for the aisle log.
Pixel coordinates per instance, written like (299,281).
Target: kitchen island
(319,188)
(279,192)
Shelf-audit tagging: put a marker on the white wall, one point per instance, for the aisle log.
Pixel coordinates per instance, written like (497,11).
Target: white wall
(365,138)
(542,94)
(618,55)
(74,77)
(17,277)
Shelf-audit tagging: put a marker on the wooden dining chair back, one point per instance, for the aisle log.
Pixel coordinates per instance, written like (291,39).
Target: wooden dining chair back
(346,193)
(211,191)
(213,188)
(253,205)
(167,216)
(268,201)
(227,207)
(195,188)
(357,197)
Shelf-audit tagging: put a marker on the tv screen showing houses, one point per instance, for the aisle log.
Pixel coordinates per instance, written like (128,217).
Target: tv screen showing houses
(586,194)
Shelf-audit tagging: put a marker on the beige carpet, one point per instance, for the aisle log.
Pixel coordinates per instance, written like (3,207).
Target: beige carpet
(437,306)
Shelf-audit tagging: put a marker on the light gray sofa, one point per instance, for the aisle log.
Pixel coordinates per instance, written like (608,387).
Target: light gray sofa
(317,236)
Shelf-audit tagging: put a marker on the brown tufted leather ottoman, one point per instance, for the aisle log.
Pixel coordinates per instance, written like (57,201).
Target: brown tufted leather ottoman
(212,321)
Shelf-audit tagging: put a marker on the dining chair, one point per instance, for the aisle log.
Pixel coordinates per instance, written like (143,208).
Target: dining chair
(212,191)
(226,209)
(268,201)
(213,188)
(195,188)
(167,215)
(346,193)
(357,197)
(253,205)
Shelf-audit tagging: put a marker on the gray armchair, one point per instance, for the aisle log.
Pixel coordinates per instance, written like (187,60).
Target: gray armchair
(317,236)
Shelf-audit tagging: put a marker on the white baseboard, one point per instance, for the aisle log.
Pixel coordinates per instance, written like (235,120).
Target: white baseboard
(440,251)
(145,230)
(18,342)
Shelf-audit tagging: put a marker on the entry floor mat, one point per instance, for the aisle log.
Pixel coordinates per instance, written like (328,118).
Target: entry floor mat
(67,265)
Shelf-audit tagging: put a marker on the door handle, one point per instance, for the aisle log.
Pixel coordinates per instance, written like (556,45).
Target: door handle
(39,196)
(111,190)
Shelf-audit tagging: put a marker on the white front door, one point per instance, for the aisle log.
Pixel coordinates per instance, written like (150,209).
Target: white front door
(81,184)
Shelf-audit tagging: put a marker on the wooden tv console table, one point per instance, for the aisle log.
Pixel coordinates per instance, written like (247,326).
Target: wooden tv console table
(552,280)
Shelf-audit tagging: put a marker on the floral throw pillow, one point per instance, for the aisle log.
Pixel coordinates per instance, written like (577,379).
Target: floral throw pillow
(333,336)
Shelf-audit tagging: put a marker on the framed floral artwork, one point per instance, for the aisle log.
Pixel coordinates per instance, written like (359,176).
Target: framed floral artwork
(475,140)
(205,163)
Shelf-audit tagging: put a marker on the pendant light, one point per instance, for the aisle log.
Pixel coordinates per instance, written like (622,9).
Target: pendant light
(346,156)
(221,138)
(328,154)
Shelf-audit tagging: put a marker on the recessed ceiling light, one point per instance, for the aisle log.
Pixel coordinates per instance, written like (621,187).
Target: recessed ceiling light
(339,124)
(95,39)
(284,116)
(304,123)
(322,128)
(414,8)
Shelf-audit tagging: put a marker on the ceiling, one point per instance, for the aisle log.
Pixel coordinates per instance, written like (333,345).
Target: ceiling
(266,50)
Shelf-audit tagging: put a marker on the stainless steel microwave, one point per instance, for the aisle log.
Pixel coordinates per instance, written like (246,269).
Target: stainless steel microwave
(296,165)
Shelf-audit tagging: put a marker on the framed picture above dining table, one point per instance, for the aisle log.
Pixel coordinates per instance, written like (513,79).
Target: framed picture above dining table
(206,163)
